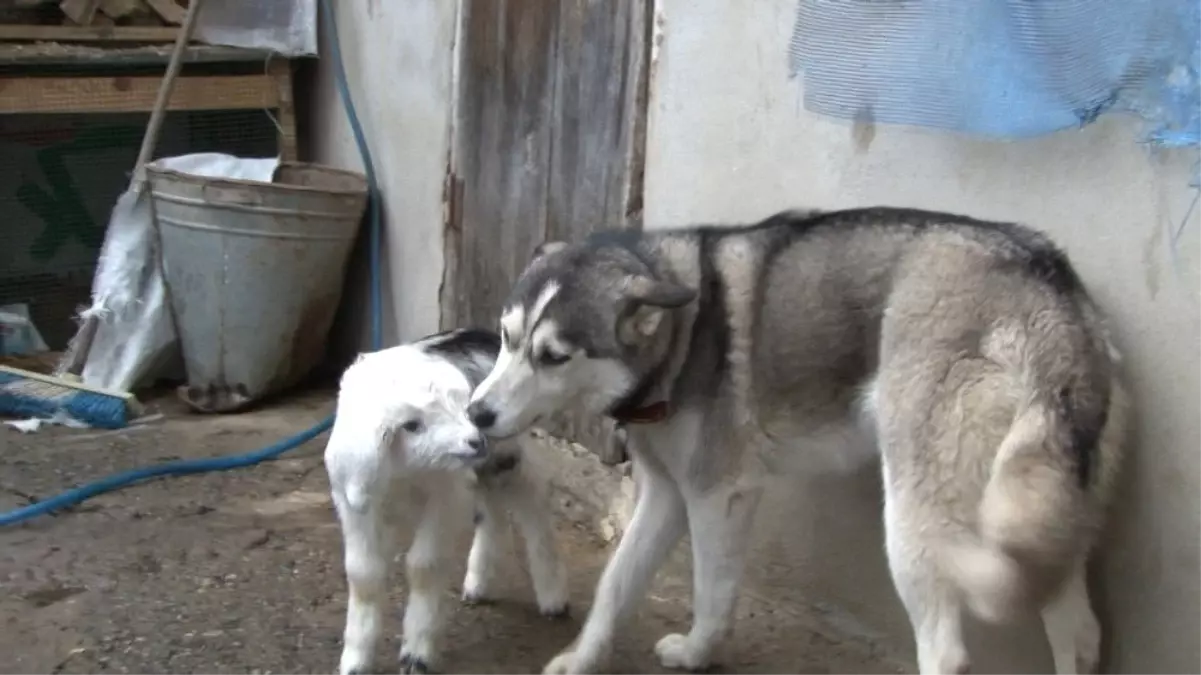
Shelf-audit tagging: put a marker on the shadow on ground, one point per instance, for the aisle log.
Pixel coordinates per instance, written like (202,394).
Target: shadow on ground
(240,571)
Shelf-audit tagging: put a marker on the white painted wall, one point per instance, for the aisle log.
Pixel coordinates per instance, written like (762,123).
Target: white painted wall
(399,60)
(728,140)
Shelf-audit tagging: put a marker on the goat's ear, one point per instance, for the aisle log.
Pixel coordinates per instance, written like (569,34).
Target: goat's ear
(547,247)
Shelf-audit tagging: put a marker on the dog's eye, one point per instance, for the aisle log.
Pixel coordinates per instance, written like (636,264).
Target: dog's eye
(411,426)
(549,358)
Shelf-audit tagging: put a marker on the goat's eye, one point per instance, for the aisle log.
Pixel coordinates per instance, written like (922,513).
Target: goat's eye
(549,358)
(411,426)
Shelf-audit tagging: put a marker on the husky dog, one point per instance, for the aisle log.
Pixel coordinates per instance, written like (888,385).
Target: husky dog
(982,368)
(402,441)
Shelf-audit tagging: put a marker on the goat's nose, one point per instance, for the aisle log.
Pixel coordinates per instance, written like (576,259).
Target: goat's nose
(476,444)
(481,416)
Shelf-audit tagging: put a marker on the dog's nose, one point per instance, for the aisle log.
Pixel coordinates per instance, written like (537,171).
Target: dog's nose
(481,416)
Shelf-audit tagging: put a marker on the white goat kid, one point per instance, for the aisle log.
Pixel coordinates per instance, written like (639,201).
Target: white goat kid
(402,444)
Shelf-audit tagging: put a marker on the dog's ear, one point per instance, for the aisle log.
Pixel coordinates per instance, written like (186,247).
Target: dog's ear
(640,324)
(665,294)
(649,298)
(547,247)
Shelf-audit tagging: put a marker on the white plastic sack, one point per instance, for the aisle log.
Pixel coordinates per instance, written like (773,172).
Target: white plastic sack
(135,339)
(285,26)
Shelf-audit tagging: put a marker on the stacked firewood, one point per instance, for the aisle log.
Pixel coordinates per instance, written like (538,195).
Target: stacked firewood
(94,12)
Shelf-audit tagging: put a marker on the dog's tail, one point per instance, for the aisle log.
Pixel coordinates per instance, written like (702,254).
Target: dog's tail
(1038,513)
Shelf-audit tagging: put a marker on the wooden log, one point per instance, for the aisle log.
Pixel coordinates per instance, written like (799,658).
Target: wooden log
(80,12)
(168,10)
(120,9)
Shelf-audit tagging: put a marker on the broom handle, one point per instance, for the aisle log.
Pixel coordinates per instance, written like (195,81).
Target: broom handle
(150,139)
(67,384)
(77,352)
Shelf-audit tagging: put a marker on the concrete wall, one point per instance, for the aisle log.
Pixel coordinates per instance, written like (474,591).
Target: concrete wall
(399,59)
(728,140)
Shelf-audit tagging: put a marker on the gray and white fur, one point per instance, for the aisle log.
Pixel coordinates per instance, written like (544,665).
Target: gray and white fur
(402,444)
(967,351)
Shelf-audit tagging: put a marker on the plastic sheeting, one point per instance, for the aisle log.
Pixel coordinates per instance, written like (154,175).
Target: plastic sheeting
(1004,68)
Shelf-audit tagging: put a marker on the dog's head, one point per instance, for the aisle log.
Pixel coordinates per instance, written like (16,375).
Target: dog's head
(414,406)
(583,325)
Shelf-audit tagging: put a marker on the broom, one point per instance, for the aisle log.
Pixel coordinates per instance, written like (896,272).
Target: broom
(25,393)
(28,394)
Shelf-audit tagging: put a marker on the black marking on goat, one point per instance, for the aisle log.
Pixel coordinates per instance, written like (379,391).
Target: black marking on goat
(498,464)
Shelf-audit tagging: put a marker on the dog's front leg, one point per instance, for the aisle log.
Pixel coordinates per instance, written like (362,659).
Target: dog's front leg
(720,524)
(656,526)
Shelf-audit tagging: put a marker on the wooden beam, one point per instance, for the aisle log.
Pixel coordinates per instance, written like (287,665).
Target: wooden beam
(24,95)
(280,71)
(88,33)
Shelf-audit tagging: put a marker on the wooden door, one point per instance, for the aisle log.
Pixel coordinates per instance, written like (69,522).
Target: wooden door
(548,141)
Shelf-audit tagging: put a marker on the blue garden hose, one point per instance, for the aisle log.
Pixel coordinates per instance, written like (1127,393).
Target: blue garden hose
(191,466)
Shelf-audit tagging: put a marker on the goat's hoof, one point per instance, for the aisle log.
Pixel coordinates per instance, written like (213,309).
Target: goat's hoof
(413,665)
(473,600)
(556,611)
(354,663)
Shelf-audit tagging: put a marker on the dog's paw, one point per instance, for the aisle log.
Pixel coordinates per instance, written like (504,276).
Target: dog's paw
(677,652)
(475,588)
(411,664)
(354,662)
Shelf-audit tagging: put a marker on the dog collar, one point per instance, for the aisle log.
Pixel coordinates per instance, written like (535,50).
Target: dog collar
(647,414)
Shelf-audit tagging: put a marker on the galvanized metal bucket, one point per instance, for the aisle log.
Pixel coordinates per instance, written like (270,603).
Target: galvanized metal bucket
(255,273)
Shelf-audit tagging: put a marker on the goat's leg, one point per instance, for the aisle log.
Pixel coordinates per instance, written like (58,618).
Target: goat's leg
(481,563)
(368,549)
(528,501)
(428,567)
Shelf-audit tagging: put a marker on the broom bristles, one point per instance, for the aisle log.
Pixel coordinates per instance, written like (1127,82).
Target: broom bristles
(27,397)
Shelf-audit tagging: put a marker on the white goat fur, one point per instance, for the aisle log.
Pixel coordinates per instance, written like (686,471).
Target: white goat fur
(379,471)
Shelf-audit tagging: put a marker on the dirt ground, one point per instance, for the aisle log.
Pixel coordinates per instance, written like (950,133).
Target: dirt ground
(240,571)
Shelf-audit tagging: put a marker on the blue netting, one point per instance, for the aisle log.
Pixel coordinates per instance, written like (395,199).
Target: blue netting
(1004,68)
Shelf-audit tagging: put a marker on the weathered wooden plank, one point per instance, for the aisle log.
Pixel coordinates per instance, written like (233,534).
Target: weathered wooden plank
(90,56)
(500,154)
(88,33)
(23,94)
(548,144)
(597,140)
(597,133)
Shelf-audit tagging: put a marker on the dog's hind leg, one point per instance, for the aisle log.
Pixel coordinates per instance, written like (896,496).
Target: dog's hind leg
(1072,628)
(931,600)
(368,550)
(720,521)
(658,522)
